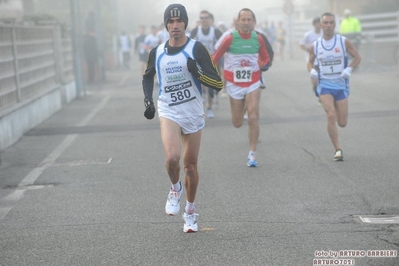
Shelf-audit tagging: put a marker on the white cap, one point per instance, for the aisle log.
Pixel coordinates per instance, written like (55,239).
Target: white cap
(347,12)
(220,23)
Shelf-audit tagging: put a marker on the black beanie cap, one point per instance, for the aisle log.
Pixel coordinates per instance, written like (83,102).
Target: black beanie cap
(175,10)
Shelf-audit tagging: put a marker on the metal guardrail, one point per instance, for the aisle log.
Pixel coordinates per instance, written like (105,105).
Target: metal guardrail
(383,27)
(33,61)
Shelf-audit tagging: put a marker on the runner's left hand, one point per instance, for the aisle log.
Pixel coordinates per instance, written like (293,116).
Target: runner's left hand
(149,112)
(192,67)
(346,73)
(313,74)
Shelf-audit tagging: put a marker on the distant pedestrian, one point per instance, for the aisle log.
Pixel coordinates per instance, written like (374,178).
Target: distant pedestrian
(125,46)
(308,39)
(163,34)
(139,48)
(152,39)
(351,28)
(280,37)
(271,34)
(90,48)
(207,34)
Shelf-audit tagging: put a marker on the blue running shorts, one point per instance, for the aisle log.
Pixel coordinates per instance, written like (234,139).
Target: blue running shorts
(337,94)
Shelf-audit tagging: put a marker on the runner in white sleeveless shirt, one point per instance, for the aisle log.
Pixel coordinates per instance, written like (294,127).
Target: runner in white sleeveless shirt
(331,75)
(308,39)
(207,34)
(182,65)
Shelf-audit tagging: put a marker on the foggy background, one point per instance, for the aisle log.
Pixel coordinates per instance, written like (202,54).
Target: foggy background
(111,17)
(118,15)
(151,12)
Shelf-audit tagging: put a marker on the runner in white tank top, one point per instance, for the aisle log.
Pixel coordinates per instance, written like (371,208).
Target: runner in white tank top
(207,34)
(181,65)
(331,75)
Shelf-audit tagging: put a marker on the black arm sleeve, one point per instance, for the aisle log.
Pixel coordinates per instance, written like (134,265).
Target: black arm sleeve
(218,33)
(268,47)
(148,77)
(193,33)
(210,76)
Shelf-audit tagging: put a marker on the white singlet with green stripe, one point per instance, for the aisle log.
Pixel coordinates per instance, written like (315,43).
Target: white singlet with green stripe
(241,60)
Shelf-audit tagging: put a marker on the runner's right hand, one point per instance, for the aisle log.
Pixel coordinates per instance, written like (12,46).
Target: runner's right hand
(149,112)
(314,75)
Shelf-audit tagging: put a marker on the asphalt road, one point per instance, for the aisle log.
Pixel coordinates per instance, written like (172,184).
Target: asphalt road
(88,186)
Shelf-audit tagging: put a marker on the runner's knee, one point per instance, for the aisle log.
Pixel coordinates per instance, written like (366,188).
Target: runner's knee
(237,122)
(342,123)
(331,117)
(190,169)
(172,161)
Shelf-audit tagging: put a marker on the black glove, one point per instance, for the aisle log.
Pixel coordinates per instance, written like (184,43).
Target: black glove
(192,67)
(266,67)
(149,112)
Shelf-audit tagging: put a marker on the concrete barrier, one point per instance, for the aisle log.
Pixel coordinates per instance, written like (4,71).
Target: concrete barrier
(21,118)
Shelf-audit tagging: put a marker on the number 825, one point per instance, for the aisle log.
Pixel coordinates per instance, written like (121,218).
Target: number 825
(243,74)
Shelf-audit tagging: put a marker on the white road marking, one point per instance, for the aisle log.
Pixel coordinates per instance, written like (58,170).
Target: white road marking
(15,195)
(33,175)
(4,211)
(81,162)
(380,220)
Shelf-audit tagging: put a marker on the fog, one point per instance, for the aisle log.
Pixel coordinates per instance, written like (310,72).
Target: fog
(150,12)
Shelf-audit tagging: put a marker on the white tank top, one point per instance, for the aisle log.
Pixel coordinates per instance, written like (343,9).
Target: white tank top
(331,56)
(180,94)
(125,43)
(207,40)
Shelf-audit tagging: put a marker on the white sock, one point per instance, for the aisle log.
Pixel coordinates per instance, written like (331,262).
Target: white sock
(190,208)
(250,154)
(177,186)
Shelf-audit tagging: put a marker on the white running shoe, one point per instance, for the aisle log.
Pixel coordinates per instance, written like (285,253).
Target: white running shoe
(252,163)
(172,206)
(190,222)
(210,113)
(338,156)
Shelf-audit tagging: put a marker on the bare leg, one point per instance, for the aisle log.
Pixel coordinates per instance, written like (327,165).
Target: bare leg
(341,108)
(191,146)
(171,139)
(237,111)
(335,112)
(252,105)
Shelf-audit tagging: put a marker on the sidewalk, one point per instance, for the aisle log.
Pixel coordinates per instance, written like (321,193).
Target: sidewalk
(73,118)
